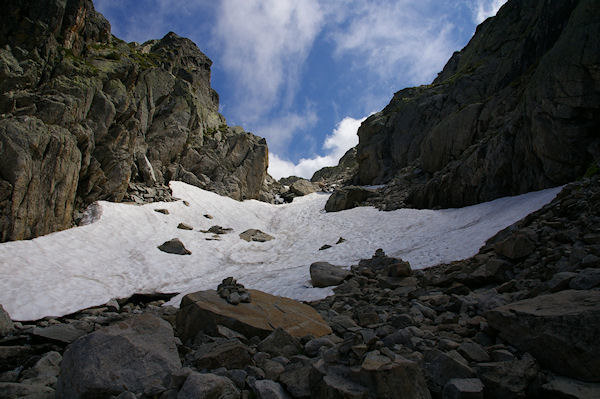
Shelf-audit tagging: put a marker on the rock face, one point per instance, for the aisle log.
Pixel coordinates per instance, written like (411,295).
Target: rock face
(516,110)
(85,116)
(559,329)
(135,355)
(206,310)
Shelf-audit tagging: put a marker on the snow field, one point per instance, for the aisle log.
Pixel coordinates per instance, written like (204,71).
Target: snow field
(117,256)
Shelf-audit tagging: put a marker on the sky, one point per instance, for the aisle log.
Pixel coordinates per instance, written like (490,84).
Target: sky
(305,73)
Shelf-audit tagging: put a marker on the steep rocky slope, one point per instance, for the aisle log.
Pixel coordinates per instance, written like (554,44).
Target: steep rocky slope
(516,110)
(85,116)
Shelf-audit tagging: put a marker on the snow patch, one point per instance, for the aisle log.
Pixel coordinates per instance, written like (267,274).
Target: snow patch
(117,255)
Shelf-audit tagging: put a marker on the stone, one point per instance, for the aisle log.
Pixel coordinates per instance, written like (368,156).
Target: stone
(473,352)
(267,389)
(324,247)
(586,279)
(162,210)
(561,387)
(441,367)
(296,379)
(63,333)
(12,356)
(184,226)
(560,281)
(508,379)
(204,310)
(216,229)
(136,354)
(378,375)
(255,235)
(324,274)
(463,388)
(6,324)
(302,187)
(516,246)
(312,347)
(206,386)
(231,354)
(347,197)
(13,390)
(280,343)
(174,246)
(47,366)
(566,321)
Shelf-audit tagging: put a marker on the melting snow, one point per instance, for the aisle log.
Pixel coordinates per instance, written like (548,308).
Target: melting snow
(117,255)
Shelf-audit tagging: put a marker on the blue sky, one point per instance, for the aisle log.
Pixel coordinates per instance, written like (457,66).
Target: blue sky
(305,73)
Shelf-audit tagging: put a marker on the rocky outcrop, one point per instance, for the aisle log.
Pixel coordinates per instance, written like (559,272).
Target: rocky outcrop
(85,116)
(340,174)
(516,110)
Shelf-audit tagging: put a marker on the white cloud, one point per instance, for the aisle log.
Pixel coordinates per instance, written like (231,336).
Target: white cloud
(280,130)
(341,140)
(483,9)
(264,46)
(395,38)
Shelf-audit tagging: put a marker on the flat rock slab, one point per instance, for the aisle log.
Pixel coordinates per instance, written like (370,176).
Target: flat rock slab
(560,330)
(60,332)
(205,310)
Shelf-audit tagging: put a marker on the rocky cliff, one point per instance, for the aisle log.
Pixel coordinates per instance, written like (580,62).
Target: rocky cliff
(516,110)
(85,116)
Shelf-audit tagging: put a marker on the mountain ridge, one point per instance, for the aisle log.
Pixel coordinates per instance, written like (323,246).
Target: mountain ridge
(86,116)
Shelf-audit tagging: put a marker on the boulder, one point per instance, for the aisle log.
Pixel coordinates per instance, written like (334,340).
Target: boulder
(280,343)
(207,386)
(378,376)
(174,246)
(441,367)
(13,390)
(463,388)
(302,187)
(184,226)
(560,330)
(510,379)
(347,197)
(205,310)
(324,274)
(267,389)
(231,354)
(255,235)
(560,387)
(135,355)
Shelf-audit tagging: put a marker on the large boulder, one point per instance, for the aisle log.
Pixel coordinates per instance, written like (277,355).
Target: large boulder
(206,310)
(135,355)
(560,330)
(347,198)
(205,386)
(324,274)
(302,187)
(377,377)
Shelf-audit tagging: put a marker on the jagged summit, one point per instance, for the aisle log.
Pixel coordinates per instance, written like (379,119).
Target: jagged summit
(86,116)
